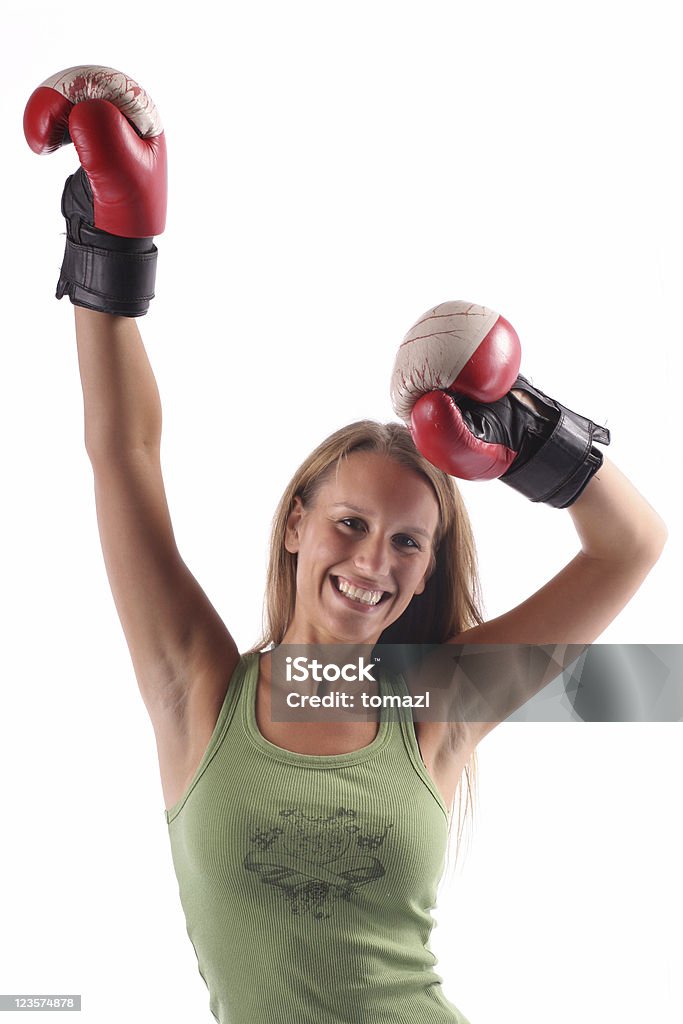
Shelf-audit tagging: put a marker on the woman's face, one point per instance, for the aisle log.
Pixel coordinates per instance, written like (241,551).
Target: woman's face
(363,548)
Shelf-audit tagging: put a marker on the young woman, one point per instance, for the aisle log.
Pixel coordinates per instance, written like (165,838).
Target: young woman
(307,855)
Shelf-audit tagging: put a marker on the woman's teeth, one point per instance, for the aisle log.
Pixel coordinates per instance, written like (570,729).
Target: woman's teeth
(356,594)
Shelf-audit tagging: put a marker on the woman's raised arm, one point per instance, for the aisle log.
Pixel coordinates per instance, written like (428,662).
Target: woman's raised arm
(182,653)
(114,206)
(621,539)
(494,668)
(473,415)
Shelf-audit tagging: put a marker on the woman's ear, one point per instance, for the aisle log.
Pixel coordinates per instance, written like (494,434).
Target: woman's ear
(293,524)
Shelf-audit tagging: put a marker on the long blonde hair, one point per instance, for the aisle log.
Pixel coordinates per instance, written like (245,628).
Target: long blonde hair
(451,600)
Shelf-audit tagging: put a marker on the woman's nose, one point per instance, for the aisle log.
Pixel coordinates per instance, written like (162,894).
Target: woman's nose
(372,555)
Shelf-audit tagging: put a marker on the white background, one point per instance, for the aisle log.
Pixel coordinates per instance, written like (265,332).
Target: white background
(335,170)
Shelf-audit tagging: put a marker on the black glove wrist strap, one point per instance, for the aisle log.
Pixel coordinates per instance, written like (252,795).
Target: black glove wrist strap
(106,280)
(563,465)
(101,271)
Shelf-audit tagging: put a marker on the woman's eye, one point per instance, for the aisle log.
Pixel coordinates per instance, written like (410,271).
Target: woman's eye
(407,542)
(354,524)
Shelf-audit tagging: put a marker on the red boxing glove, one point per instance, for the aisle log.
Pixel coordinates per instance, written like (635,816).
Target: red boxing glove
(463,348)
(472,415)
(532,442)
(116,201)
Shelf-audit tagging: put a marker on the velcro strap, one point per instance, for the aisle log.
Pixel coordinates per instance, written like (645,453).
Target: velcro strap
(106,280)
(558,473)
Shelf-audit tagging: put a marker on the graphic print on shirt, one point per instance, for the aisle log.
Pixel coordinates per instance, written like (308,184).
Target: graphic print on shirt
(315,861)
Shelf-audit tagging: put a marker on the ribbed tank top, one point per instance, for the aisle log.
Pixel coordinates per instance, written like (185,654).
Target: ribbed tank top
(308,881)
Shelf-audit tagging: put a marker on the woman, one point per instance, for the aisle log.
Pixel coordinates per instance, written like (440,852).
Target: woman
(307,855)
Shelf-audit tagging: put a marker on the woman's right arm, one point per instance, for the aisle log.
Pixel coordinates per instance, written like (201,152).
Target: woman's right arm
(182,653)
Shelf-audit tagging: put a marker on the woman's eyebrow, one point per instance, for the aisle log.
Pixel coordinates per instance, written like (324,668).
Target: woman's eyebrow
(368,512)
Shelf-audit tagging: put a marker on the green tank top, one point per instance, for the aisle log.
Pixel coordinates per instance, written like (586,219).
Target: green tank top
(307,881)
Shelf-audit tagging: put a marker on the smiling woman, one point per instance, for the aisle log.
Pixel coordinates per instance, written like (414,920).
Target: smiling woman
(355,576)
(414,533)
(315,850)
(318,846)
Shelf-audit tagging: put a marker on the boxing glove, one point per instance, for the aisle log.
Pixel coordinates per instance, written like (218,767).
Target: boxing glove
(546,451)
(115,203)
(533,443)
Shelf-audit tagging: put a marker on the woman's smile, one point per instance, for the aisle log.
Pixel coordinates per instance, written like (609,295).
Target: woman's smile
(357,594)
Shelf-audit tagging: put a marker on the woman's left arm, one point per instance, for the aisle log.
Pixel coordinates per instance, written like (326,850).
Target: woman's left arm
(456,380)
(621,539)
(505,661)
